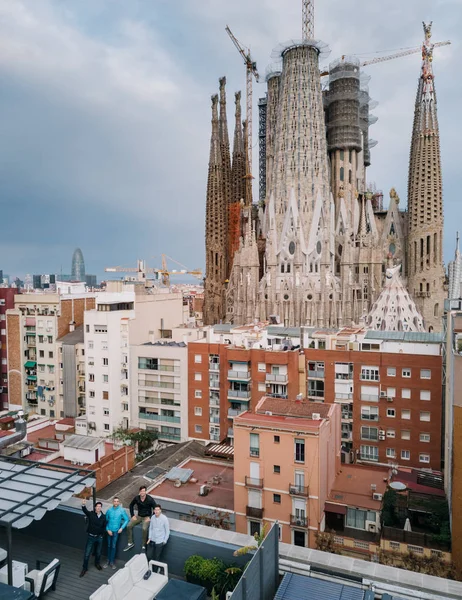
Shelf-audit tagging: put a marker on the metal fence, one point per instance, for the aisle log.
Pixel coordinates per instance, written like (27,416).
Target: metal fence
(261,576)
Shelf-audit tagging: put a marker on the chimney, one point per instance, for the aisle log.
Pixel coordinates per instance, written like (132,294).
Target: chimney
(71,326)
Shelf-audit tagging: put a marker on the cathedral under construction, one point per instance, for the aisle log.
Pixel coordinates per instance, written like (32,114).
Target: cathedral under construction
(318,248)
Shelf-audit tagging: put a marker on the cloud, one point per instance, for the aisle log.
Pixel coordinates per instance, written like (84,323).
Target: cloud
(105,114)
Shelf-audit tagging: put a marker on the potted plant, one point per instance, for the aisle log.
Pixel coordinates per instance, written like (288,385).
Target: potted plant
(204,571)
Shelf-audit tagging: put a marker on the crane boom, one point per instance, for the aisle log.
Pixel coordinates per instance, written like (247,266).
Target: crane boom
(373,61)
(307,20)
(251,71)
(163,274)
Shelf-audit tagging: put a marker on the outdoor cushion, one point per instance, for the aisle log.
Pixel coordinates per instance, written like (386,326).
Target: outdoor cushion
(153,585)
(103,593)
(38,577)
(4,554)
(138,566)
(124,589)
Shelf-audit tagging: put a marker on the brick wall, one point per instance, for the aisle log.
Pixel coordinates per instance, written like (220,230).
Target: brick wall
(15,387)
(111,467)
(72,309)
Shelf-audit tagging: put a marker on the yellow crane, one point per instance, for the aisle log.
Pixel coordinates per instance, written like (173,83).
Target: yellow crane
(163,273)
(251,72)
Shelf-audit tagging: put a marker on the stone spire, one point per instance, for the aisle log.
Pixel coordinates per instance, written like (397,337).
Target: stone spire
(425,198)
(215,228)
(225,158)
(455,273)
(237,182)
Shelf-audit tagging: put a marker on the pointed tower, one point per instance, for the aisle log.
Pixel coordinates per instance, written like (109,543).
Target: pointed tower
(237,183)
(225,158)
(425,199)
(216,234)
(455,274)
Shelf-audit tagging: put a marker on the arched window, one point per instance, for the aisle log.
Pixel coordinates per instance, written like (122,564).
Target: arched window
(342,174)
(436,310)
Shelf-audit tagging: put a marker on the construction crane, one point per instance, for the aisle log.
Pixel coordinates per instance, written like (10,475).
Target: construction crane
(380,59)
(251,71)
(163,273)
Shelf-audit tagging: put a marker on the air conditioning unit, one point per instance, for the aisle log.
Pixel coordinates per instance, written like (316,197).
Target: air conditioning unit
(376,496)
(371,526)
(268,412)
(381,437)
(316,416)
(383,394)
(389,399)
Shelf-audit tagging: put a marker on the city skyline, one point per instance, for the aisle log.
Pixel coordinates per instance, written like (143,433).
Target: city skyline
(83,122)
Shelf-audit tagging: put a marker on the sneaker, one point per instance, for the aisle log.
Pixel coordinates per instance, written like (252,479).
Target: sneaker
(82,572)
(106,565)
(98,567)
(128,547)
(113,567)
(143,548)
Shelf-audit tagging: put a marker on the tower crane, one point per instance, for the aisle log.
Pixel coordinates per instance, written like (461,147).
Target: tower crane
(163,273)
(251,71)
(379,59)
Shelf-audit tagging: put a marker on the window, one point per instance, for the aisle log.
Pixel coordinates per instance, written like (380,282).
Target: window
(87,328)
(391,392)
(106,426)
(425,374)
(261,367)
(370,413)
(369,453)
(276,468)
(262,387)
(300,451)
(315,388)
(424,437)
(124,406)
(90,345)
(405,434)
(370,373)
(405,393)
(105,395)
(277,498)
(92,393)
(50,354)
(424,458)
(369,433)
(405,454)
(406,414)
(51,369)
(106,411)
(40,339)
(198,358)
(390,433)
(406,373)
(424,415)
(254,444)
(152,364)
(91,377)
(197,376)
(391,453)
(197,393)
(41,368)
(105,378)
(254,528)
(105,362)
(425,395)
(198,411)
(391,412)
(357,518)
(41,354)
(391,371)
(277,439)
(198,428)
(50,339)
(100,329)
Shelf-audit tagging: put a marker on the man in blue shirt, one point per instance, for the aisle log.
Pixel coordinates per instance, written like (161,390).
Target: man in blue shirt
(159,532)
(116,521)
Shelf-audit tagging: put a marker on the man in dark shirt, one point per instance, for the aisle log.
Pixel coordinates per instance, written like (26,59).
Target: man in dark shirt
(95,530)
(146,505)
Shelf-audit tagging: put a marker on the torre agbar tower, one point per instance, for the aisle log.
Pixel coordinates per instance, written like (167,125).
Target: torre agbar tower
(425,199)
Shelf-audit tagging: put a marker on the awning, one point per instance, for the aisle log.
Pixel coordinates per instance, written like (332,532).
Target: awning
(340,509)
(32,377)
(30,364)
(221,450)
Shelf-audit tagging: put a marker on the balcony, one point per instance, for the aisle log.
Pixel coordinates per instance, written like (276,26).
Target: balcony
(214,366)
(347,416)
(298,490)
(316,374)
(370,397)
(298,521)
(214,402)
(273,378)
(214,383)
(347,436)
(255,452)
(234,412)
(230,432)
(214,419)
(343,396)
(174,437)
(253,482)
(253,512)
(239,375)
(240,394)
(154,417)
(316,394)
(283,396)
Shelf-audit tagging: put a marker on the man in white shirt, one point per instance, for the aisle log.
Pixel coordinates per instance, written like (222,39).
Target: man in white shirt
(159,532)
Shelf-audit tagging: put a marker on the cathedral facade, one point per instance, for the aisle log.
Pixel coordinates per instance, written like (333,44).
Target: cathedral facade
(316,249)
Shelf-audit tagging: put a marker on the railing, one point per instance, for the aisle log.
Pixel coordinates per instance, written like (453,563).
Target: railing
(214,383)
(315,394)
(254,513)
(234,412)
(170,436)
(154,417)
(254,451)
(347,415)
(414,538)
(239,394)
(213,402)
(369,417)
(214,419)
(347,436)
(214,438)
(253,482)
(31,342)
(164,368)
(298,490)
(284,396)
(159,384)
(214,366)
(271,377)
(297,521)
(316,373)
(343,396)
(238,374)
(230,432)
(361,534)
(369,397)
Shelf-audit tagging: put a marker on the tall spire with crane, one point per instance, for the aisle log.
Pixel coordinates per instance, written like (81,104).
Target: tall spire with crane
(425,197)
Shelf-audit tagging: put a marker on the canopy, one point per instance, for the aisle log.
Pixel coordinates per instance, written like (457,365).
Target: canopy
(30,364)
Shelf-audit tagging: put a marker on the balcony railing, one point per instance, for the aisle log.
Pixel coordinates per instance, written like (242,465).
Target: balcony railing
(214,366)
(164,418)
(254,513)
(283,396)
(239,394)
(297,521)
(315,394)
(214,419)
(317,374)
(234,412)
(170,436)
(254,451)
(370,397)
(273,378)
(343,396)
(298,490)
(214,383)
(415,538)
(253,482)
(214,402)
(242,375)
(230,432)
(347,416)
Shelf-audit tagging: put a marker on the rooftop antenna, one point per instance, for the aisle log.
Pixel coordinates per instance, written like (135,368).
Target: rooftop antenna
(307,20)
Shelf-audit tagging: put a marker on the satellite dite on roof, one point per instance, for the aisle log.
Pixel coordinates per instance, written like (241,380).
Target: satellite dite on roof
(398,486)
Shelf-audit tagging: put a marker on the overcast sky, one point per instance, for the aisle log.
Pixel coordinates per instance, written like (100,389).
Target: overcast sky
(105,115)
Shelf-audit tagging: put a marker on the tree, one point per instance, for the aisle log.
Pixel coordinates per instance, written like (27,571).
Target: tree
(259,537)
(325,542)
(142,439)
(215,518)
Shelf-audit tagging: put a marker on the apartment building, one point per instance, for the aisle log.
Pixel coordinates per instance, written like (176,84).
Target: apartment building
(6,302)
(71,372)
(33,327)
(121,319)
(286,459)
(159,388)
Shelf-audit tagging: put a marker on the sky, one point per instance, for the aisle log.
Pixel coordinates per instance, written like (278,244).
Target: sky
(105,115)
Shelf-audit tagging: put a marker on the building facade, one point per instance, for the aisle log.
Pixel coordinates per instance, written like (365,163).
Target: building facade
(7,296)
(71,372)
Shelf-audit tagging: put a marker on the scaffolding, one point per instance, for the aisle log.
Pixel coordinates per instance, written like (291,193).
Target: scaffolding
(262,109)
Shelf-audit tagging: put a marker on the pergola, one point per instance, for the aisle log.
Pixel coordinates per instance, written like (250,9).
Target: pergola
(29,489)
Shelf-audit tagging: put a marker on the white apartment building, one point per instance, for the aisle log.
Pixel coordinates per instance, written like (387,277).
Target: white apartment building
(159,388)
(71,372)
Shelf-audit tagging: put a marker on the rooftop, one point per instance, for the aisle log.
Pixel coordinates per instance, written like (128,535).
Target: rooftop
(221,494)
(82,442)
(74,337)
(295,408)
(355,484)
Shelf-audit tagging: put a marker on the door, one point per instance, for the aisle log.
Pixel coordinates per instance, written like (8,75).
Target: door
(300,480)
(299,538)
(254,499)
(255,470)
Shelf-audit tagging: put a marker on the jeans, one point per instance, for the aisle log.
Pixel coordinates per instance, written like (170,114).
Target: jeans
(112,547)
(154,552)
(134,523)
(96,542)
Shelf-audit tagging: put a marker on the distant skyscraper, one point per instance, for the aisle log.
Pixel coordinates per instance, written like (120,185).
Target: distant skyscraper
(78,266)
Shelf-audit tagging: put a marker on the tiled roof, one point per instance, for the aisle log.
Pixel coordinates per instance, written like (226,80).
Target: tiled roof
(289,408)
(423,337)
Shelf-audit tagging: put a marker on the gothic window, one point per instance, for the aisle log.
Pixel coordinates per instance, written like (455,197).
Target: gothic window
(292,248)
(392,229)
(392,249)
(349,176)
(342,174)
(436,310)
(342,154)
(288,268)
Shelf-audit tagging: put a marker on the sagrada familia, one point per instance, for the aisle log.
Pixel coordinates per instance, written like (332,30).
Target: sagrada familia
(319,249)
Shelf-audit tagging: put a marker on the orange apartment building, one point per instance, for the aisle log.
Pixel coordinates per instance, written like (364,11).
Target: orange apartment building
(389,385)
(286,459)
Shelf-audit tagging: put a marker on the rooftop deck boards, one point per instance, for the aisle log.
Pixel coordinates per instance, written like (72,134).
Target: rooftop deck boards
(69,586)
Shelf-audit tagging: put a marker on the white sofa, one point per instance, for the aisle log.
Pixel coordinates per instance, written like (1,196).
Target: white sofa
(128,583)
